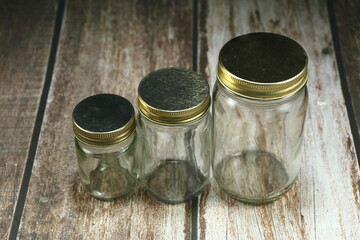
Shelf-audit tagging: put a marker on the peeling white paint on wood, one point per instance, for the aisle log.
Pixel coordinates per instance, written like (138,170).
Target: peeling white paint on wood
(107,46)
(104,47)
(324,203)
(24,52)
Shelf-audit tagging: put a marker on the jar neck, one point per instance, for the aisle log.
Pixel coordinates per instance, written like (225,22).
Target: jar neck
(193,124)
(98,148)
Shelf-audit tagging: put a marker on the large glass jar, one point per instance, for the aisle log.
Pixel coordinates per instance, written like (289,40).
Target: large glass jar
(104,128)
(174,129)
(259,109)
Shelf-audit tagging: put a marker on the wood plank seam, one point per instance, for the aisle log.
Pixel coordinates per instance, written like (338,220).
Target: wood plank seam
(105,46)
(344,85)
(309,210)
(38,123)
(195,202)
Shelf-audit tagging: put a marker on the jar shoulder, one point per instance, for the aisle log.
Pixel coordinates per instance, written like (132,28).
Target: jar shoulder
(120,147)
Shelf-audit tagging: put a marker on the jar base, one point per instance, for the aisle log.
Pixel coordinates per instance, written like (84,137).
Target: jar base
(261,201)
(106,198)
(254,177)
(187,199)
(175,181)
(109,183)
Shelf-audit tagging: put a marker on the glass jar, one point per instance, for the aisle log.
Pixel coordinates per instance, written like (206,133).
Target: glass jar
(104,129)
(174,128)
(259,109)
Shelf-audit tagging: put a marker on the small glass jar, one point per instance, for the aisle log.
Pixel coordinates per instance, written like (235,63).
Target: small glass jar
(259,109)
(174,128)
(104,129)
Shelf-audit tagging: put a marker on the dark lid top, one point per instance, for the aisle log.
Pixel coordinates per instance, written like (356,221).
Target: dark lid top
(173,95)
(262,59)
(103,118)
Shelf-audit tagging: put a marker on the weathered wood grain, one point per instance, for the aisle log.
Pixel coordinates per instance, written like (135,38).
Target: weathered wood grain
(26,29)
(105,47)
(348,25)
(325,201)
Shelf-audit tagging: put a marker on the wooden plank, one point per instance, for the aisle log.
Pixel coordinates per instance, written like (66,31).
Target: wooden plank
(105,46)
(324,203)
(348,25)
(26,29)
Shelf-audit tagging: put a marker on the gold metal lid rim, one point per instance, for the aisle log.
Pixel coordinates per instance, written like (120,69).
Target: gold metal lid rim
(111,137)
(173,117)
(265,91)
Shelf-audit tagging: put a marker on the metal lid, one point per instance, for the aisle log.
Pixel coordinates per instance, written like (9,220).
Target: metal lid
(103,119)
(262,66)
(173,96)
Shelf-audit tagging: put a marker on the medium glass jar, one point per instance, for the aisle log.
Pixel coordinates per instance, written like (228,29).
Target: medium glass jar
(174,128)
(259,109)
(104,129)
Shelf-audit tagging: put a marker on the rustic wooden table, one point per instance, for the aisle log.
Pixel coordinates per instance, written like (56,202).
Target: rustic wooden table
(55,53)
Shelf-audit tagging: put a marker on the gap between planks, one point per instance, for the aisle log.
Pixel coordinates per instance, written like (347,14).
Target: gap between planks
(38,123)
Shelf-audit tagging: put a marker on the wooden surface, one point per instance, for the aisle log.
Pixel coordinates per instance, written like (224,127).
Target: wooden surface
(25,37)
(104,47)
(108,46)
(324,203)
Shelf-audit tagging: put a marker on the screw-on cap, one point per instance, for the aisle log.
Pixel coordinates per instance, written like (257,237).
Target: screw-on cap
(103,119)
(262,66)
(173,96)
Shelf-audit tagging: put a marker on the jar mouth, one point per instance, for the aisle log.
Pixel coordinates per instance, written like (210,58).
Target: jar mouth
(105,138)
(178,117)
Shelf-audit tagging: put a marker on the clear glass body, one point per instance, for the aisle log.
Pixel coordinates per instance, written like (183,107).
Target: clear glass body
(174,160)
(258,144)
(107,171)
